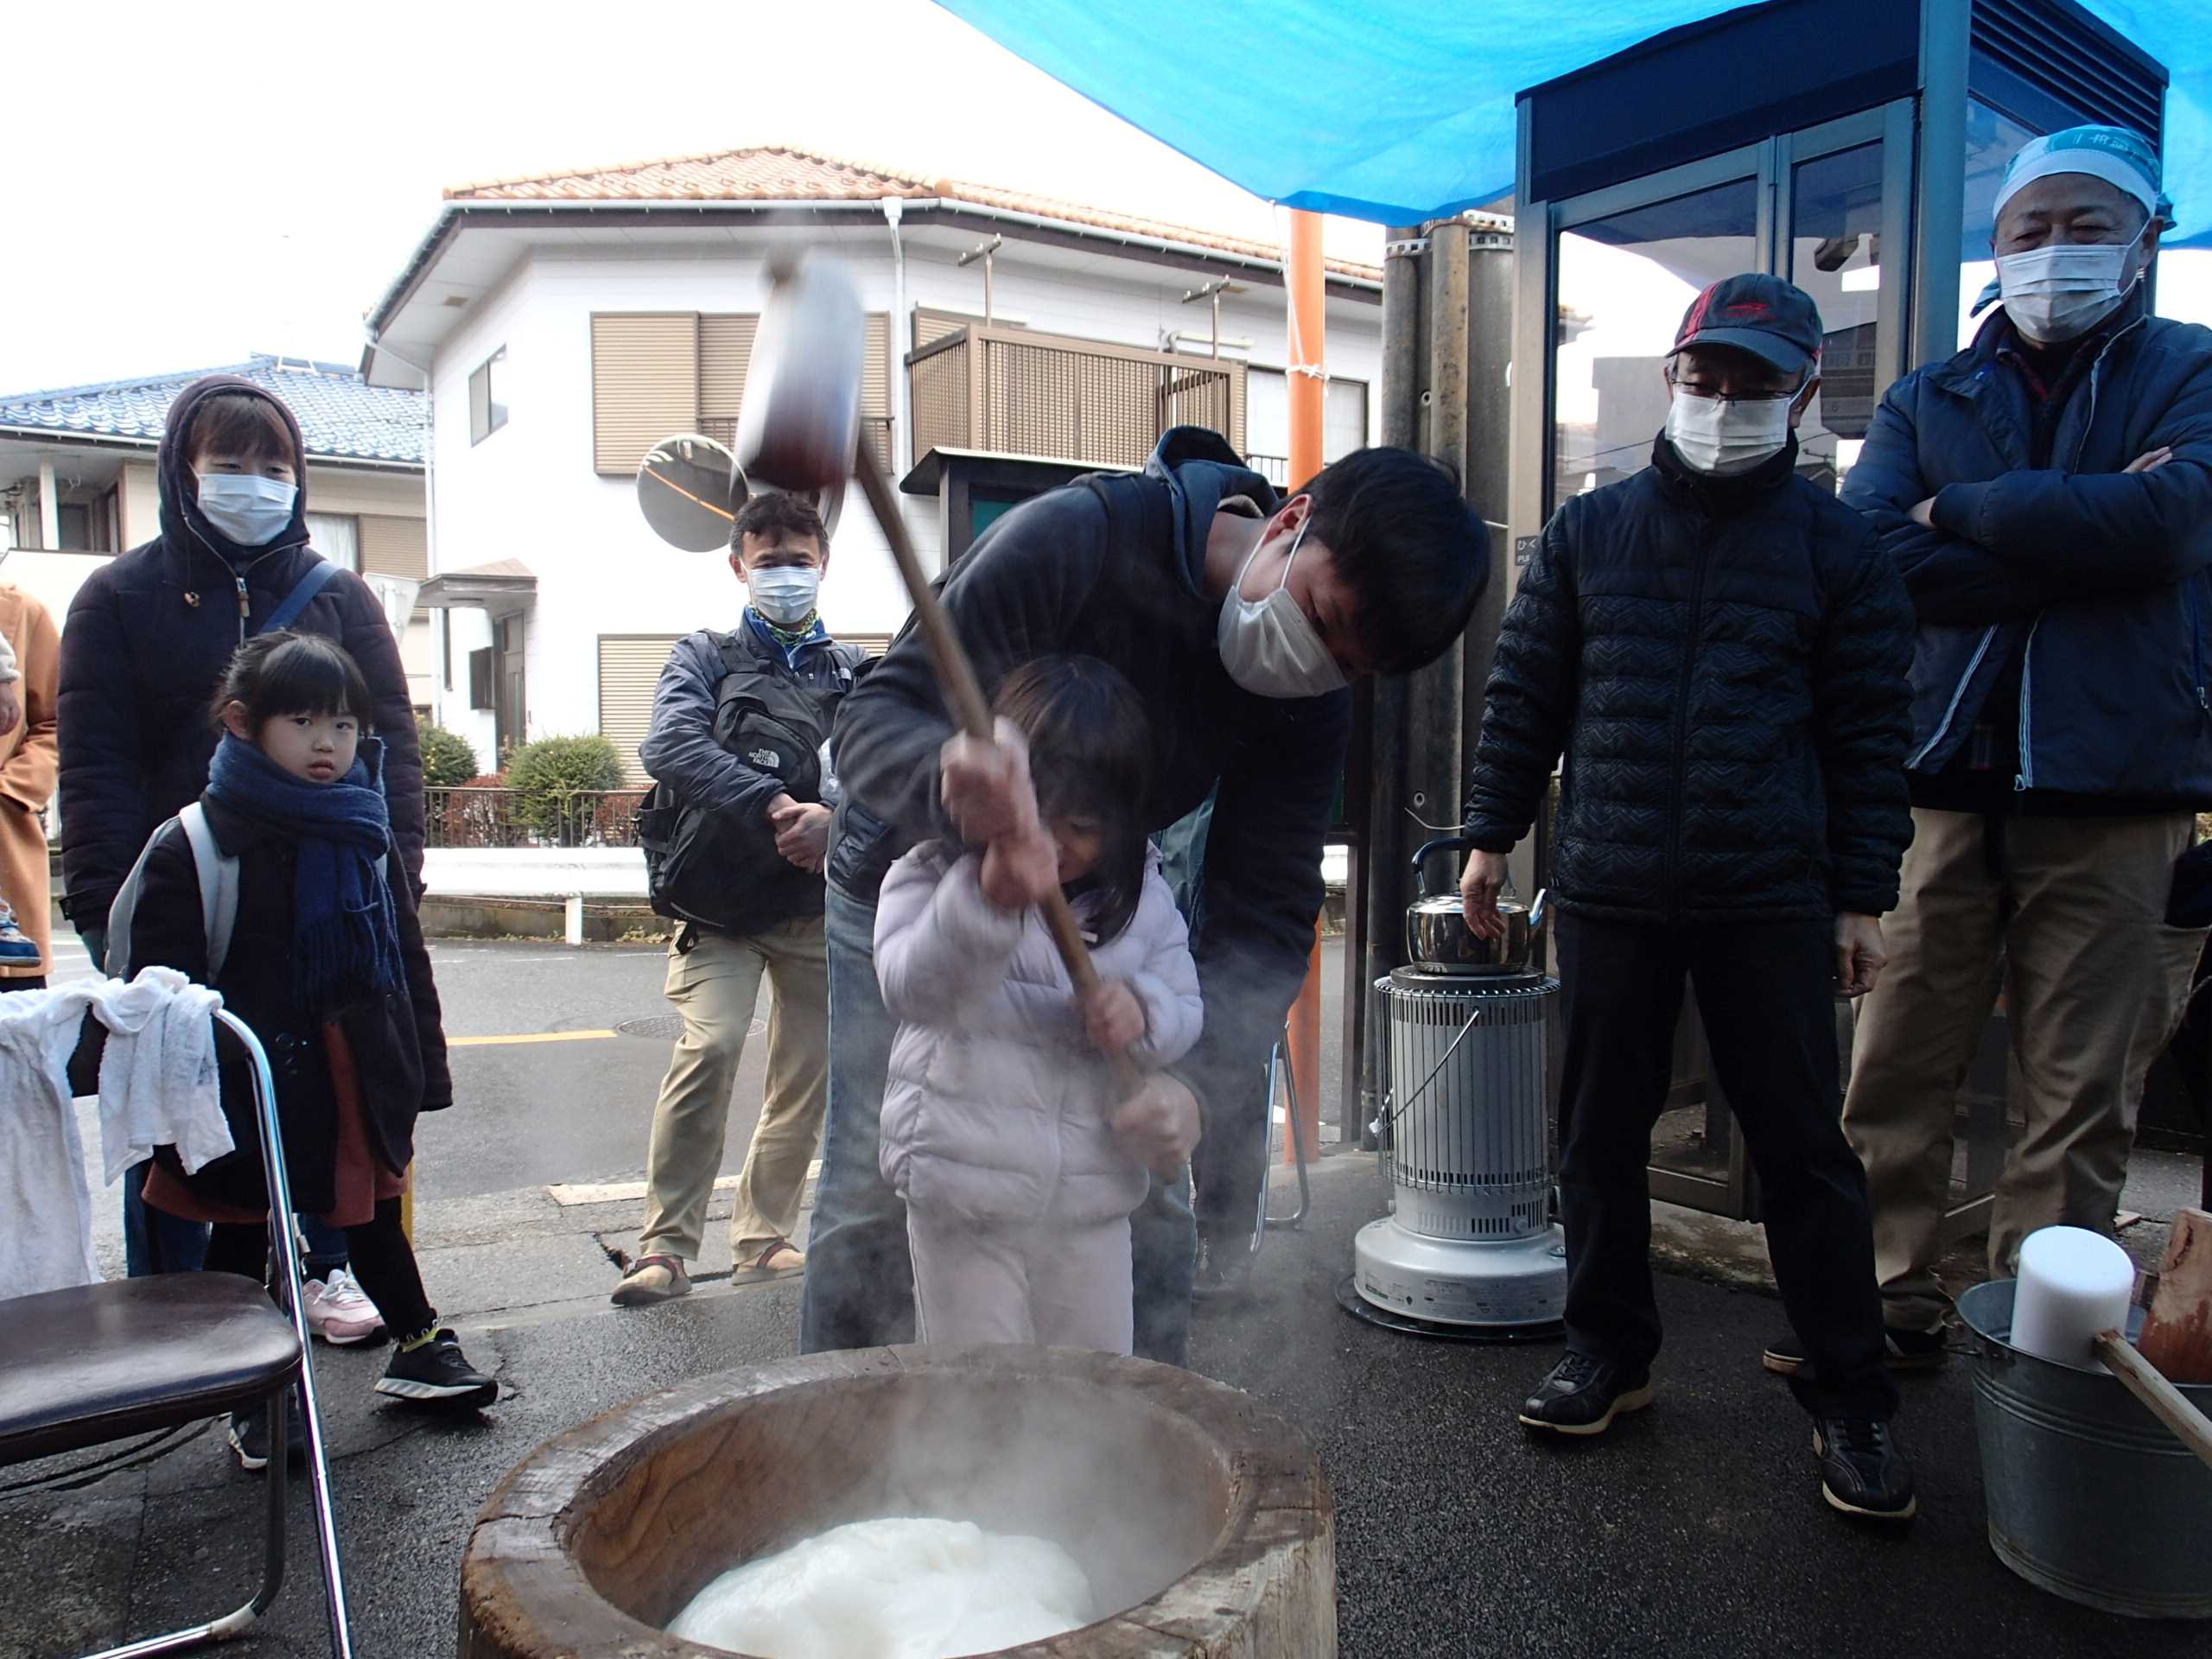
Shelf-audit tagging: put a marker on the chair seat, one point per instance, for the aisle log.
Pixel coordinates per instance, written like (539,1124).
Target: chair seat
(134,1356)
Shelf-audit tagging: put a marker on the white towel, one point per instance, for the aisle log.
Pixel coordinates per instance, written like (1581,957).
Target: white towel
(158,1085)
(46,1215)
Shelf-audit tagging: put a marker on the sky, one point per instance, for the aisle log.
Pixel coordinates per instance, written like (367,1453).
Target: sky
(217,180)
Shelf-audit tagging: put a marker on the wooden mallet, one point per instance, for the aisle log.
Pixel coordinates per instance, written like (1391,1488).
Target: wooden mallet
(800,430)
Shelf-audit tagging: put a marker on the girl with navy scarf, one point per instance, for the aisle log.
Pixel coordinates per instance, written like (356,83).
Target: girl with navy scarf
(326,963)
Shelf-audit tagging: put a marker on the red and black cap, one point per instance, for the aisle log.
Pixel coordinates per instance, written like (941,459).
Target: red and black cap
(1775,321)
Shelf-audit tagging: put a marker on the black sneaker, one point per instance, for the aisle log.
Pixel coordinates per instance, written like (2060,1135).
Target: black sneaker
(1863,1471)
(438,1374)
(248,1433)
(1582,1394)
(1901,1350)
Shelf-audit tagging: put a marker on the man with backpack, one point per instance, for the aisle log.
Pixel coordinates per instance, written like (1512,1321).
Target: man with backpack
(1241,618)
(735,836)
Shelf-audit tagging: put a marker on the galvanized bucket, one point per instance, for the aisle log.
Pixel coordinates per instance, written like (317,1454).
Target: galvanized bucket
(2090,1496)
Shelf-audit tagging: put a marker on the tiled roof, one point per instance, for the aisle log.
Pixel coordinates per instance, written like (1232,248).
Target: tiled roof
(771,173)
(341,417)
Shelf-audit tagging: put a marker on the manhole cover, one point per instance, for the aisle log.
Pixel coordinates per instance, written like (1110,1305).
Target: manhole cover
(667,1027)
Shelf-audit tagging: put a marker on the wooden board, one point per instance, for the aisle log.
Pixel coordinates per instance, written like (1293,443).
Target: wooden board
(2177,1321)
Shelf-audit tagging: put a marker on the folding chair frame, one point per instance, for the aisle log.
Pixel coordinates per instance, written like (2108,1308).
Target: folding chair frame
(1283,1082)
(286,1249)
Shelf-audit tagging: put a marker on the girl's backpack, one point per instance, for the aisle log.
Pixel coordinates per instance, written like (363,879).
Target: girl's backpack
(218,894)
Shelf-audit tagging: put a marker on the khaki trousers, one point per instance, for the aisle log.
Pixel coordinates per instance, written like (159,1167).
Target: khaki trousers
(2094,986)
(714,986)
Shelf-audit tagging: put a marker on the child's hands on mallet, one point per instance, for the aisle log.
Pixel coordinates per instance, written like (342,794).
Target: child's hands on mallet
(1019,870)
(985,786)
(1113,1018)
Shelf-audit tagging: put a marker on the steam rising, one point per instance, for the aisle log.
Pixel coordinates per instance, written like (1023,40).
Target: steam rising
(1134,1493)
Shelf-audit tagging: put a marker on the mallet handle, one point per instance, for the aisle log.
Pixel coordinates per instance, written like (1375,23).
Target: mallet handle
(956,679)
(2167,1403)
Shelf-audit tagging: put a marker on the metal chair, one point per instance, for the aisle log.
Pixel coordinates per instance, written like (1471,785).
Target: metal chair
(1282,1085)
(102,1362)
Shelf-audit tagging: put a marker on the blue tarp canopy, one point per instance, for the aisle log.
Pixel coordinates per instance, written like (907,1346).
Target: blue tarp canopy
(1399,111)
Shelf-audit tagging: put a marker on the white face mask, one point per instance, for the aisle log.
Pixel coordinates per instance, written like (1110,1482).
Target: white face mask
(784,593)
(1716,436)
(1268,646)
(249,509)
(2060,293)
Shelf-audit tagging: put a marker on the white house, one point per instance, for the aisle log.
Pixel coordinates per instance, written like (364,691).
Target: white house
(78,485)
(564,324)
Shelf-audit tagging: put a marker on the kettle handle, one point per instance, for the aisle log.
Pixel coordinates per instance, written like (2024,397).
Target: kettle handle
(1456,843)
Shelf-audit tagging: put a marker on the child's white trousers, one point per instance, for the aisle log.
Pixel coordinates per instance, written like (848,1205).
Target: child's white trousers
(1044,1282)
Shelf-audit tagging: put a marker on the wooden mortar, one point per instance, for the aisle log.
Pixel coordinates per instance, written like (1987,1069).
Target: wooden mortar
(1204,1517)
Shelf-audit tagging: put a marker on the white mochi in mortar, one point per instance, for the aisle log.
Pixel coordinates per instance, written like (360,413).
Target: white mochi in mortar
(892,1589)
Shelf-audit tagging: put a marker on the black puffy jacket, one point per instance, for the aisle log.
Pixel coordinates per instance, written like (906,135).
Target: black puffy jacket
(1723,662)
(148,638)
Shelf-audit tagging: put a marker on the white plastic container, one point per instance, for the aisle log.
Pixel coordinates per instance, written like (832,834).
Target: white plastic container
(2074,1283)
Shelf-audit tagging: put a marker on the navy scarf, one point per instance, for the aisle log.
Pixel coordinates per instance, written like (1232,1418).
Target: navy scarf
(345,926)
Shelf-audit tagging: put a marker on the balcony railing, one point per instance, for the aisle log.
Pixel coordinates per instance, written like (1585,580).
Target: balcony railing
(1014,391)
(507,817)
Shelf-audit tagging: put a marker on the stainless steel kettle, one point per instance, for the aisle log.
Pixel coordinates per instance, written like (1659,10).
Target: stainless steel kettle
(1438,939)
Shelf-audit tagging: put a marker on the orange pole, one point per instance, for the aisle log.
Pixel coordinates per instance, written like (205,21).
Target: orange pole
(1303,277)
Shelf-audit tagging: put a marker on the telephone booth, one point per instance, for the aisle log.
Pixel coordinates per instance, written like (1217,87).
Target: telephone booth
(1853,147)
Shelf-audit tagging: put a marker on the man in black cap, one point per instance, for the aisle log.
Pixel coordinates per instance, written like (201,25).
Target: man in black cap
(1719,647)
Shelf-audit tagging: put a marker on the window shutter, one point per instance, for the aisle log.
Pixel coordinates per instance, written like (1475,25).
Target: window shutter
(932,325)
(629,668)
(875,372)
(725,350)
(645,383)
(395,547)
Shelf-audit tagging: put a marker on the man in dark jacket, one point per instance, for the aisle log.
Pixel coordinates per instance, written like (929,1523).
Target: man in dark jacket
(1239,618)
(736,834)
(2048,495)
(147,639)
(1719,647)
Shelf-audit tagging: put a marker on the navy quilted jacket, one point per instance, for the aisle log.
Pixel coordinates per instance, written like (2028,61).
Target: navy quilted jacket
(2098,580)
(1722,662)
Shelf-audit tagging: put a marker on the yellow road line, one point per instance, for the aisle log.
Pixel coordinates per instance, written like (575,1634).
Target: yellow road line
(528,1037)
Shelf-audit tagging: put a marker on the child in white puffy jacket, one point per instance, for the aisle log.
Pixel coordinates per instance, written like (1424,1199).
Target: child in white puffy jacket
(995,1121)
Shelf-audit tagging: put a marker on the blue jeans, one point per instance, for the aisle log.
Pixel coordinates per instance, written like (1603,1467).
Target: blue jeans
(153,1240)
(859,1280)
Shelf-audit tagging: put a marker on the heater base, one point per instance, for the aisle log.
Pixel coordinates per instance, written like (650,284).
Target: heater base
(1511,1288)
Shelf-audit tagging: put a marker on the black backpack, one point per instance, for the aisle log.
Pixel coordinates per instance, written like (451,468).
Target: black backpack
(722,871)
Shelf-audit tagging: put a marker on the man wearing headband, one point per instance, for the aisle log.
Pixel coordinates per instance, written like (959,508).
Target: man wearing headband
(2047,494)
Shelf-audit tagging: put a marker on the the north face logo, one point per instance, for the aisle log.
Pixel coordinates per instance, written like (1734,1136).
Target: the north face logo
(765,758)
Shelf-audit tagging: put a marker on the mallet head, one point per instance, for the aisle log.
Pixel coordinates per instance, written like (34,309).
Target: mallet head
(801,419)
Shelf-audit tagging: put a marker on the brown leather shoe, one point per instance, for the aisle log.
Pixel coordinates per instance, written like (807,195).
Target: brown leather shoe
(653,1279)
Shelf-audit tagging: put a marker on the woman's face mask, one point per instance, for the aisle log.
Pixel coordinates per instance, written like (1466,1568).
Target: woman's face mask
(251,511)
(1726,436)
(1268,645)
(2060,292)
(784,593)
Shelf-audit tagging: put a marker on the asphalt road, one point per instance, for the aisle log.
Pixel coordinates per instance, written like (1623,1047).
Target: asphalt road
(533,1112)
